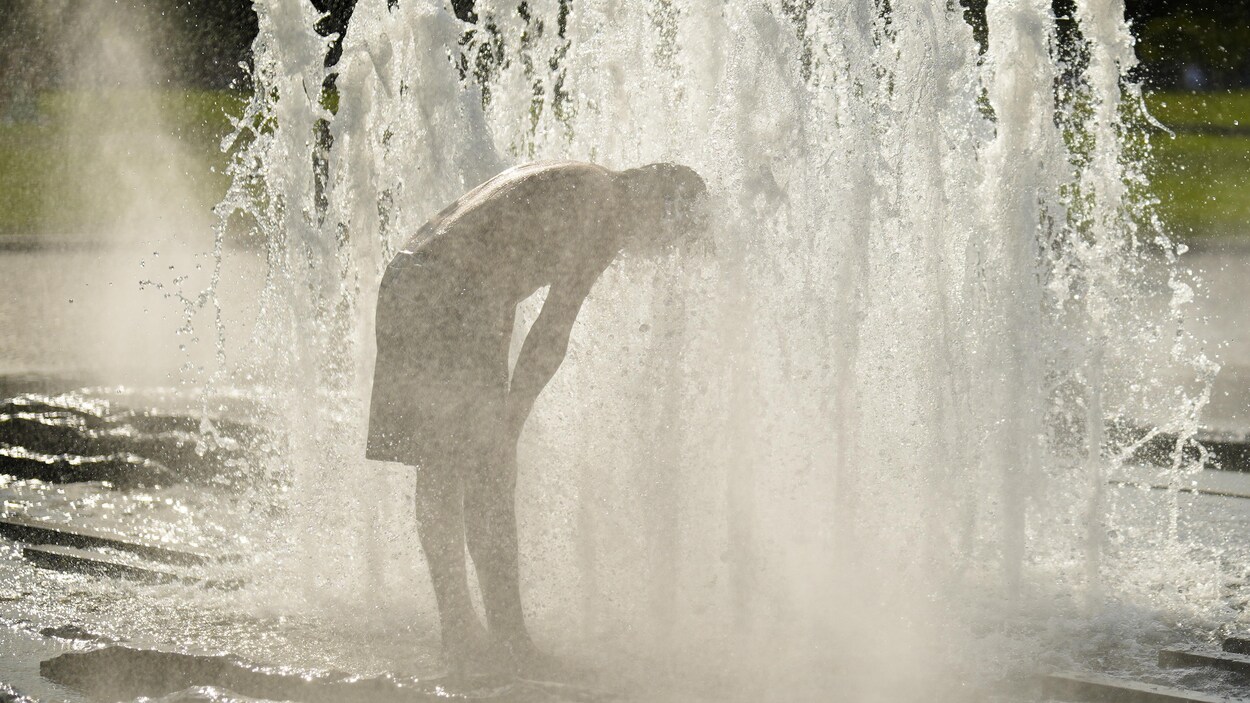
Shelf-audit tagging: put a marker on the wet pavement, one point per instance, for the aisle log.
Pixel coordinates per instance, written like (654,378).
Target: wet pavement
(118,315)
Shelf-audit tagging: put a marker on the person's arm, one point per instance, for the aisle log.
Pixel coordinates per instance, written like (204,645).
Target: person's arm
(544,349)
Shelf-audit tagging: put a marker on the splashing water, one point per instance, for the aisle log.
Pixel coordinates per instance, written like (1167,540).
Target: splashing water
(861,446)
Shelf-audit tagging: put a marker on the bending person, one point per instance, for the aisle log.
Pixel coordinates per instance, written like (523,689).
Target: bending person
(443,400)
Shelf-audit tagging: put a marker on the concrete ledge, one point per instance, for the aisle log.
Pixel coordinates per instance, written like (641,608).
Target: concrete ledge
(125,470)
(1230,452)
(1180,489)
(1100,688)
(1227,661)
(43,533)
(1237,645)
(83,562)
(1227,451)
(63,439)
(79,561)
(124,673)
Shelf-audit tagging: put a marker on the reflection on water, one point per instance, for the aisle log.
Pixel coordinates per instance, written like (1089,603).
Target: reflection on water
(396,636)
(393,634)
(106,459)
(74,437)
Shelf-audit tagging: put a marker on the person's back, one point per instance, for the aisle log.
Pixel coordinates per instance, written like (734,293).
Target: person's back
(523,229)
(443,399)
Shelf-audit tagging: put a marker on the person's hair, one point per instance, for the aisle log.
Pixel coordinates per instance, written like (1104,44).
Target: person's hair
(655,182)
(664,202)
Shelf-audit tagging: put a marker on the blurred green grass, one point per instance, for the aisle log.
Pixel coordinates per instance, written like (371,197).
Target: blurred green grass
(1178,110)
(1202,174)
(54,181)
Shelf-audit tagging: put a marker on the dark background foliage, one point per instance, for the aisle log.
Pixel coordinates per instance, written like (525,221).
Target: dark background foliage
(1181,44)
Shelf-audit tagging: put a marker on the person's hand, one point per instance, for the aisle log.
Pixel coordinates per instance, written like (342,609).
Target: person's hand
(514,415)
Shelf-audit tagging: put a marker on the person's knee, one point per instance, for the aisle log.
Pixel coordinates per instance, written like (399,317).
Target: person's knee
(489,488)
(438,486)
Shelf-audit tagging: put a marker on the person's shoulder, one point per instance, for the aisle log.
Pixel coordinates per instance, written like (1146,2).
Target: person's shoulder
(530,179)
(557,170)
(541,182)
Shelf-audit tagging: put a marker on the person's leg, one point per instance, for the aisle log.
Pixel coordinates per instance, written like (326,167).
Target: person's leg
(440,526)
(490,519)
(490,494)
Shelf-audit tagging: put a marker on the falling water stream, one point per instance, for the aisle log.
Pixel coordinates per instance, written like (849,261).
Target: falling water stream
(855,445)
(854,440)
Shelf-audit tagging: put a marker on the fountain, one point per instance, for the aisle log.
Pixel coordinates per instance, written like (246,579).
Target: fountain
(871,421)
(858,445)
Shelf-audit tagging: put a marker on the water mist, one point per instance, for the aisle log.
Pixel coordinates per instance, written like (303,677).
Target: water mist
(114,175)
(852,446)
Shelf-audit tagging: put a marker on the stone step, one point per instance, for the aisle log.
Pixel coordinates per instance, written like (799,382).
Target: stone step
(1100,688)
(37,532)
(1237,645)
(122,470)
(1182,489)
(71,559)
(1228,661)
(124,673)
(1228,451)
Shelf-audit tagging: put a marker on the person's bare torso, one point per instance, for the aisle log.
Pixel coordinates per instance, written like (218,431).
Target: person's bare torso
(526,228)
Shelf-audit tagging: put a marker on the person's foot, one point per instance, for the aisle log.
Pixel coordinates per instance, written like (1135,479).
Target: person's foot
(529,662)
(467,650)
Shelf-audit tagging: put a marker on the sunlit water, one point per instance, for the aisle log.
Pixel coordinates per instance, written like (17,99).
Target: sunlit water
(853,448)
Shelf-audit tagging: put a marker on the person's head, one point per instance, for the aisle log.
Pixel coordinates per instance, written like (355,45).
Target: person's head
(663,205)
